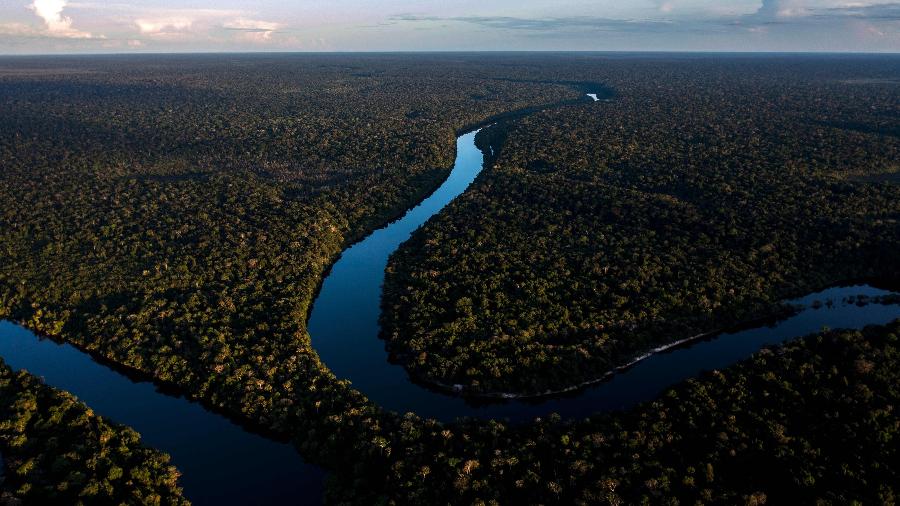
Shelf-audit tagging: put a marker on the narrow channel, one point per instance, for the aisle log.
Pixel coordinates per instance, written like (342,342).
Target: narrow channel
(222,462)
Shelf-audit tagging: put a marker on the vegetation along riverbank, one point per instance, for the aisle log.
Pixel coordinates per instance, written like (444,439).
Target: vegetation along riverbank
(182,214)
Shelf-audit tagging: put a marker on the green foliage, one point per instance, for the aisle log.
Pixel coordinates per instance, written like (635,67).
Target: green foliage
(703,195)
(812,422)
(175,215)
(57,451)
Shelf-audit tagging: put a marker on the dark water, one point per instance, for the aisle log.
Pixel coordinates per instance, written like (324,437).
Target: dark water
(221,463)
(224,464)
(344,319)
(344,329)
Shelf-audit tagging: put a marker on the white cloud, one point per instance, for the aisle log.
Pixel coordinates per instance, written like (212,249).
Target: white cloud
(667,7)
(252,24)
(164,25)
(18,30)
(253,30)
(782,9)
(787,9)
(204,24)
(61,25)
(51,11)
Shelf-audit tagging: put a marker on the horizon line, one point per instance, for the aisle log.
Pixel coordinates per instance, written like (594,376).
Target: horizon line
(453,51)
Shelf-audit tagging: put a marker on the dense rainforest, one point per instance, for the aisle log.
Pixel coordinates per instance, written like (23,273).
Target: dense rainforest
(175,214)
(812,422)
(55,450)
(700,197)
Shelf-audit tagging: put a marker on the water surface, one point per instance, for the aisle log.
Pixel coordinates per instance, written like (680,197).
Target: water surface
(345,329)
(220,462)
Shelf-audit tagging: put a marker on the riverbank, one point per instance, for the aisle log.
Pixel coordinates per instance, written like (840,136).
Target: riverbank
(781,312)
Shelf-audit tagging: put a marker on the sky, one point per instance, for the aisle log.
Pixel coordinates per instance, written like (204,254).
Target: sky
(121,26)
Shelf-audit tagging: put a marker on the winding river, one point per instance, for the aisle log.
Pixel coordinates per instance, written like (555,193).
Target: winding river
(345,330)
(223,462)
(220,461)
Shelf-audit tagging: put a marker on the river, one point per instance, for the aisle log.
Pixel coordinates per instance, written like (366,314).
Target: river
(223,463)
(345,330)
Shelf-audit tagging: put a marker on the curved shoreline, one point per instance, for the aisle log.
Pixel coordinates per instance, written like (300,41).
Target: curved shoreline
(345,324)
(201,438)
(385,221)
(248,427)
(439,406)
(461,390)
(780,312)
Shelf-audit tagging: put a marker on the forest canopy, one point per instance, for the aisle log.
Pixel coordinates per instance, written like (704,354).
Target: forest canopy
(56,450)
(175,215)
(703,195)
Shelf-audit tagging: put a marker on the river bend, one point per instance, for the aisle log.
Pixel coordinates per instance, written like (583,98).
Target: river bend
(222,462)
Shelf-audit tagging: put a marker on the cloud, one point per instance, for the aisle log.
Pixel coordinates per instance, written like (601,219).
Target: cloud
(826,13)
(51,11)
(796,25)
(163,25)
(253,30)
(854,23)
(870,12)
(581,23)
(786,11)
(18,30)
(204,24)
(781,9)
